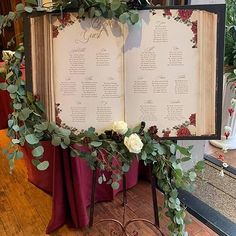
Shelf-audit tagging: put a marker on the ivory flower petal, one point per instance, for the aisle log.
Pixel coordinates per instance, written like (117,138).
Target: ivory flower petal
(120,127)
(133,143)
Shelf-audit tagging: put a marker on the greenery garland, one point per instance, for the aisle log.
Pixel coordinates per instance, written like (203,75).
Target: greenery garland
(114,150)
(230,42)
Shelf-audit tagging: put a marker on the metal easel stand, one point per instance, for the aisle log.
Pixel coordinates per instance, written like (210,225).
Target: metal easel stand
(124,224)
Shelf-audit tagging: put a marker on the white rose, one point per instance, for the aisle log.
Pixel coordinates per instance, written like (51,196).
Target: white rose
(222,174)
(225,165)
(227,129)
(133,143)
(7,55)
(233,102)
(120,127)
(225,148)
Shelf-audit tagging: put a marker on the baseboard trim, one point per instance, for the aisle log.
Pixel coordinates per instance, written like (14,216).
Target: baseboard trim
(217,162)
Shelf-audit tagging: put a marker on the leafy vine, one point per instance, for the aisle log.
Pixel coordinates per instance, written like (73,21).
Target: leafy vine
(114,150)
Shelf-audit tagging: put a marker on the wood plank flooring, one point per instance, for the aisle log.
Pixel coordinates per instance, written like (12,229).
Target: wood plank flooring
(26,210)
(230,156)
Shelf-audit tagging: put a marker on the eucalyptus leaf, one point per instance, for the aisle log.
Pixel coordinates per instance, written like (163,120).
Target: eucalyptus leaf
(38,151)
(91,130)
(15,141)
(10,123)
(104,178)
(35,162)
(40,106)
(63,145)
(66,140)
(52,126)
(24,113)
(134,18)
(12,95)
(18,54)
(9,75)
(172,148)
(31,139)
(28,9)
(125,167)
(12,88)
(17,106)
(81,12)
(96,143)
(3,86)
(43,165)
(19,155)
(97,13)
(192,175)
(183,150)
(115,185)
(56,140)
(199,166)
(65,132)
(91,12)
(41,127)
(33,2)
(20,7)
(124,17)
(100,179)
(143,156)
(115,4)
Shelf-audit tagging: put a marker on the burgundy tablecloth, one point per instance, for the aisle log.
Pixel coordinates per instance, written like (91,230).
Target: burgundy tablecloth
(4,108)
(5,102)
(4,105)
(71,187)
(42,179)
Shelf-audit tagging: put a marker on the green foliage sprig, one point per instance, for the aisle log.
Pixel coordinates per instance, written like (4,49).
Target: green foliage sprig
(107,151)
(230,41)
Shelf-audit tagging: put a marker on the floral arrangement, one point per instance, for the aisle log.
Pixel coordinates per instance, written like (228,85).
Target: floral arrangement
(230,72)
(112,150)
(183,16)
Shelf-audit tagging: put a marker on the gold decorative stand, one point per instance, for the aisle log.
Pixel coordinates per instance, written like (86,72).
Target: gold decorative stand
(124,224)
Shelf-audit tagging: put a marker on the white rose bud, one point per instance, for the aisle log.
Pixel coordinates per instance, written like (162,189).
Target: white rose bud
(225,165)
(120,127)
(225,148)
(222,174)
(227,129)
(233,102)
(133,143)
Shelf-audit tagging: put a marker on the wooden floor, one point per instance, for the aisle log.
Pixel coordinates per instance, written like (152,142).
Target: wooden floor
(230,156)
(26,210)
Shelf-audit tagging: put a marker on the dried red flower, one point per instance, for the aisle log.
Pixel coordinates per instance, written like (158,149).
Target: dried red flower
(183,131)
(192,119)
(221,157)
(66,18)
(185,14)
(194,27)
(227,134)
(167,12)
(166,133)
(231,111)
(55,31)
(36,97)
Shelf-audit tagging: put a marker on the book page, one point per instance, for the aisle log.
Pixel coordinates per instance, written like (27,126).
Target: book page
(162,71)
(40,54)
(88,72)
(207,32)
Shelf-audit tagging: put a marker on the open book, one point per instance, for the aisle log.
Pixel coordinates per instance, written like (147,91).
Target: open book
(166,70)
